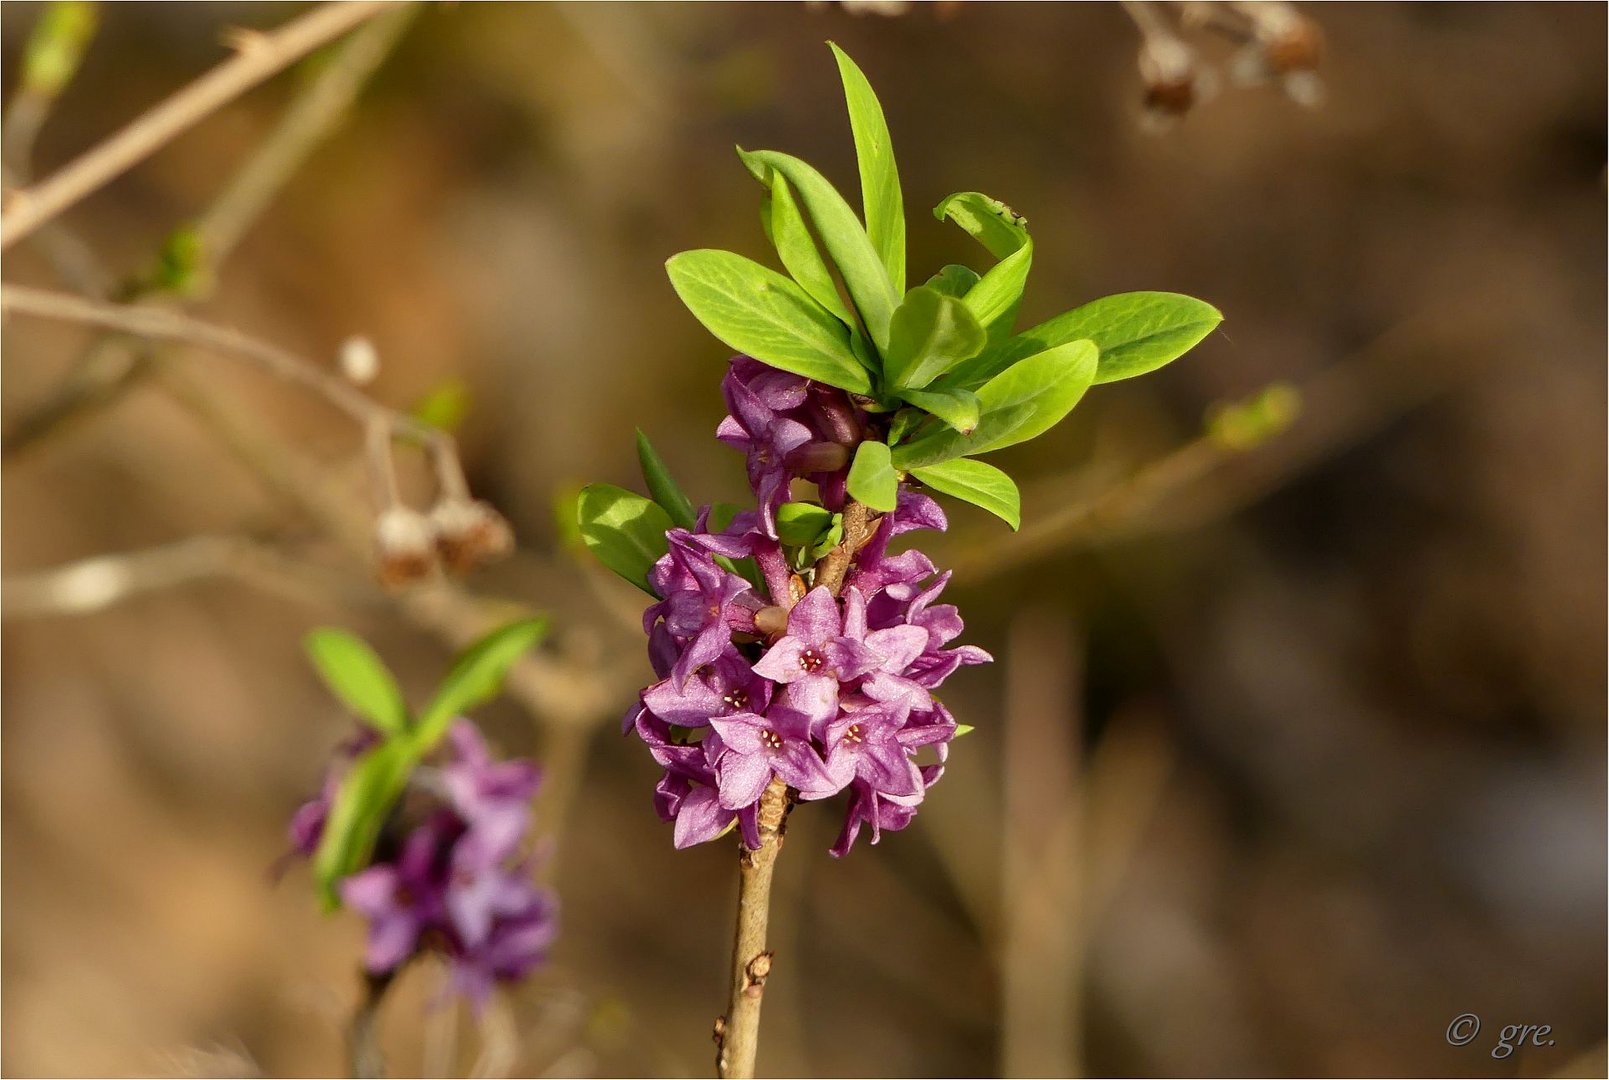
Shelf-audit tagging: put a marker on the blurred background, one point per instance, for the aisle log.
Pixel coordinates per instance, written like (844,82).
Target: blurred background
(1293,751)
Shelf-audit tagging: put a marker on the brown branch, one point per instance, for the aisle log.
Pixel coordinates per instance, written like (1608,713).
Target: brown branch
(262,57)
(737,1034)
(362,1037)
(859,524)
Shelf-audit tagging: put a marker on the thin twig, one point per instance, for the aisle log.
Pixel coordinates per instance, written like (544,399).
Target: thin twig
(110,366)
(161,325)
(262,57)
(737,1034)
(363,1044)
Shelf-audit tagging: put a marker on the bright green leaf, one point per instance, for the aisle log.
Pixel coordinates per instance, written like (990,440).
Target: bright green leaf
(997,295)
(978,483)
(358,677)
(662,486)
(872,479)
(905,421)
(956,407)
(797,248)
(1020,403)
(842,235)
(475,678)
(364,798)
(801,523)
(954,280)
(879,178)
(624,530)
(1136,332)
(929,334)
(988,221)
(962,729)
(758,311)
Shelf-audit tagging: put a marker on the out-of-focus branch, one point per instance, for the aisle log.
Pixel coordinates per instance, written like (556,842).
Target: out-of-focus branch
(110,366)
(259,56)
(363,1044)
(50,59)
(162,325)
(94,584)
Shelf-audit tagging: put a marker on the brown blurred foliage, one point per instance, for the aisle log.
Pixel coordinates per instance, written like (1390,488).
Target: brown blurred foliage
(1279,776)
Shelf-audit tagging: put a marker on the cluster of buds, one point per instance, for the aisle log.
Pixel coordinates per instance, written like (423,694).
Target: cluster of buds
(457,535)
(824,685)
(1277,44)
(450,874)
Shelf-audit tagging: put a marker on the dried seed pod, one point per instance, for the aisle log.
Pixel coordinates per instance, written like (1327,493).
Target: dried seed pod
(469,533)
(405,543)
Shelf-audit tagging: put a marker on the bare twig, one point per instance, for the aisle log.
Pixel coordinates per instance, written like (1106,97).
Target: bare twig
(737,1034)
(110,366)
(161,325)
(264,56)
(363,1044)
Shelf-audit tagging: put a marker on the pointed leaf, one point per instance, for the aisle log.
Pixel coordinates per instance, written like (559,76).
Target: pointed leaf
(929,334)
(1136,332)
(842,235)
(475,678)
(801,523)
(978,483)
(997,295)
(758,311)
(797,248)
(1021,402)
(879,178)
(872,479)
(662,486)
(364,798)
(956,407)
(358,677)
(624,530)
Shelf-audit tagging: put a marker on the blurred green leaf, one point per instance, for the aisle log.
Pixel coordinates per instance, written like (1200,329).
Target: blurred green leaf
(1020,403)
(1246,425)
(978,483)
(872,479)
(475,678)
(879,177)
(841,233)
(56,47)
(954,280)
(624,530)
(929,334)
(181,263)
(1136,332)
(444,406)
(662,486)
(956,407)
(758,311)
(356,675)
(362,801)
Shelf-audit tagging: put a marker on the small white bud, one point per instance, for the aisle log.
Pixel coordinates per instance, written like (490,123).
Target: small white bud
(360,361)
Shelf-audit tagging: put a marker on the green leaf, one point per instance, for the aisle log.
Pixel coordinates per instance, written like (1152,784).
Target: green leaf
(475,678)
(1136,332)
(879,178)
(956,407)
(905,421)
(930,333)
(791,237)
(829,539)
(662,486)
(841,233)
(758,311)
(962,729)
(362,801)
(997,295)
(624,530)
(802,523)
(1021,402)
(953,280)
(358,677)
(978,483)
(445,406)
(872,479)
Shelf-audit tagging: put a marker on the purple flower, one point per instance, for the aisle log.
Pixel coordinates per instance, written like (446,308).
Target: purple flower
(864,745)
(755,748)
(815,655)
(757,396)
(700,607)
(513,944)
(400,900)
(728,685)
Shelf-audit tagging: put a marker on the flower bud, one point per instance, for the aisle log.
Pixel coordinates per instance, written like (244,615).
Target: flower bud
(469,533)
(819,457)
(405,541)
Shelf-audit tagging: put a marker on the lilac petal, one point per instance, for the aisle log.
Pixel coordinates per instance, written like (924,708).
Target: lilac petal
(815,619)
(467,744)
(894,690)
(781,663)
(800,767)
(370,892)
(899,646)
(748,823)
(701,818)
(742,779)
(814,698)
(854,614)
(688,707)
(710,643)
(742,732)
(851,659)
(392,939)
